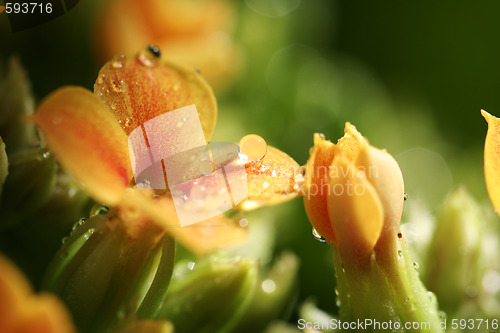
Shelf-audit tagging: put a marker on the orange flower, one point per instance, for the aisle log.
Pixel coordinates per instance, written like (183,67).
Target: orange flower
(492,159)
(353,193)
(194,33)
(23,311)
(83,129)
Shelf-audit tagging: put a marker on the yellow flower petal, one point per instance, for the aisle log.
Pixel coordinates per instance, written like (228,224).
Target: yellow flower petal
(88,141)
(271,180)
(492,159)
(354,207)
(140,87)
(21,311)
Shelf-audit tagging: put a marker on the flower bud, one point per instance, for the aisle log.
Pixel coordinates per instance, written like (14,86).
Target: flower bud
(16,102)
(209,296)
(273,295)
(454,266)
(354,192)
(30,182)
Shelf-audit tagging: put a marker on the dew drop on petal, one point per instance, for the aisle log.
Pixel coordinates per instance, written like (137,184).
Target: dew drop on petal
(146,58)
(318,237)
(117,61)
(253,147)
(154,50)
(206,167)
(243,223)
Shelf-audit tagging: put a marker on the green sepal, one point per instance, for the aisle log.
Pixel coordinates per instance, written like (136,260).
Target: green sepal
(107,278)
(146,326)
(30,182)
(212,296)
(16,102)
(274,296)
(455,263)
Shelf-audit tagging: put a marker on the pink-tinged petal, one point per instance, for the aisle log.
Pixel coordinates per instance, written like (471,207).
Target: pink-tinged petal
(87,140)
(492,159)
(140,87)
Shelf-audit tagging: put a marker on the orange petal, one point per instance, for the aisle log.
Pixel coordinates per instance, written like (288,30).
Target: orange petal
(492,159)
(354,207)
(88,141)
(21,311)
(140,87)
(272,180)
(200,238)
(315,196)
(45,314)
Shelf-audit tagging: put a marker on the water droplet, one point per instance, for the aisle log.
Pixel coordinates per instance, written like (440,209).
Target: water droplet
(154,50)
(243,223)
(117,61)
(64,240)
(265,185)
(400,254)
(146,58)
(322,136)
(407,299)
(46,155)
(318,237)
(99,210)
(268,286)
(190,265)
(117,85)
(206,167)
(416,265)
(252,147)
(405,196)
(338,303)
(442,314)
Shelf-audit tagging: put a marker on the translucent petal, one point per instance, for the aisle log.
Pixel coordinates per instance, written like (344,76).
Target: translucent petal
(272,180)
(140,87)
(87,140)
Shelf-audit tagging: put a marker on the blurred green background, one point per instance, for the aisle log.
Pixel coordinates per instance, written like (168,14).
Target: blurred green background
(411,76)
